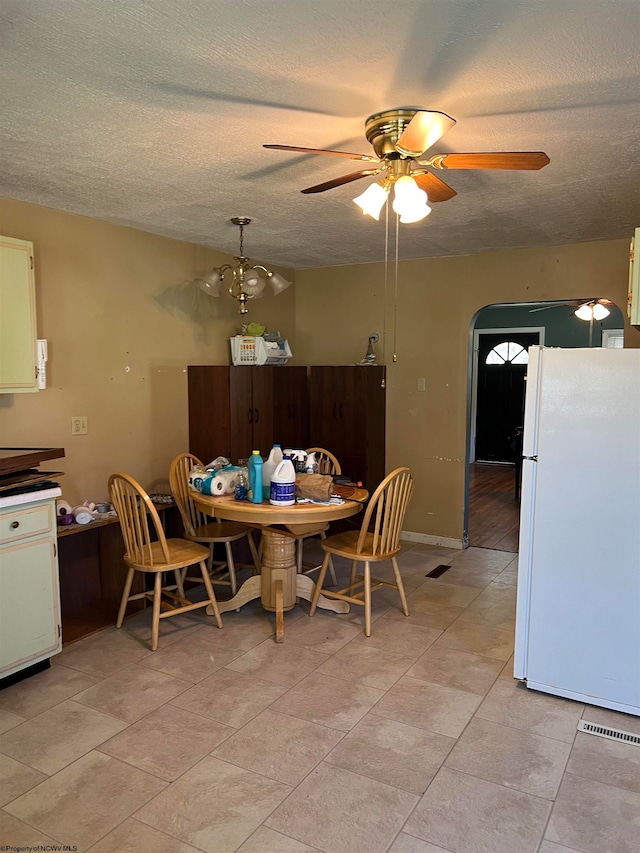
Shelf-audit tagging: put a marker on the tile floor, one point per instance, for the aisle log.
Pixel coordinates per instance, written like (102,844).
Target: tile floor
(416,740)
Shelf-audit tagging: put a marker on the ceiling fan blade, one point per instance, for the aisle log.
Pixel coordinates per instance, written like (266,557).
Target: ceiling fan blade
(435,187)
(423,131)
(555,305)
(337,182)
(347,154)
(505,160)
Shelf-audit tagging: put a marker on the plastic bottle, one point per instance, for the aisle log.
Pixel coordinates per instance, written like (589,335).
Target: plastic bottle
(310,464)
(283,484)
(274,459)
(255,477)
(240,493)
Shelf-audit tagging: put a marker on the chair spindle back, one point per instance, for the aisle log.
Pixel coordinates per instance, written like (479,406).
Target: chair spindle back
(326,462)
(134,507)
(179,480)
(386,510)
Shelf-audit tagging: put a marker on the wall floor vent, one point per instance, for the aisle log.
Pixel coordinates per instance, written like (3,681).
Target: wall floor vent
(612,734)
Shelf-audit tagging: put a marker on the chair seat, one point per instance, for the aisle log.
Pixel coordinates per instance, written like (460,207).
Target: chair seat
(346,545)
(219,531)
(181,553)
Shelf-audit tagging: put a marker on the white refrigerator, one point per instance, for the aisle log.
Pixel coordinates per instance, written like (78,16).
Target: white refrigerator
(578,605)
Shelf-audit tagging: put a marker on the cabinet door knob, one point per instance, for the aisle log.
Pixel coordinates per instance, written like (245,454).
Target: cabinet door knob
(256,416)
(15,524)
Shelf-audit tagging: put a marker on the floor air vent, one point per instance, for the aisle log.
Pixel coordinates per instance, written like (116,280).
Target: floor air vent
(612,734)
(439,570)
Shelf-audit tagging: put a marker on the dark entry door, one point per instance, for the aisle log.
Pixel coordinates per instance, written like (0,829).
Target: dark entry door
(502,366)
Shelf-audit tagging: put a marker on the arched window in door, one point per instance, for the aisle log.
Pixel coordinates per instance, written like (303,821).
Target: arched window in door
(508,352)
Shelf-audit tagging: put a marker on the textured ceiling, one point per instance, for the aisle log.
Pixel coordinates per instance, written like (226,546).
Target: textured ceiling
(152,114)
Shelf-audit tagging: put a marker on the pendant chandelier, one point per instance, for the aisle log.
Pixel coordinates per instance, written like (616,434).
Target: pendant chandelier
(245,280)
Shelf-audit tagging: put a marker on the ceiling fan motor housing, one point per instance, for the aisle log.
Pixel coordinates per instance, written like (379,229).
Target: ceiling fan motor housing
(384,129)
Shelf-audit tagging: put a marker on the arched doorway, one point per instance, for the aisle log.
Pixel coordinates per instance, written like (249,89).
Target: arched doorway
(497,376)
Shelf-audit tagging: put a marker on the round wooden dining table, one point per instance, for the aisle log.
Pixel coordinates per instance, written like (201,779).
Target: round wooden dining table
(279,584)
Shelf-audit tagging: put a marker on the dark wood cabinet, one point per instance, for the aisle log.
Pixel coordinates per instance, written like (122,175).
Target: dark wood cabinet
(236,409)
(347,416)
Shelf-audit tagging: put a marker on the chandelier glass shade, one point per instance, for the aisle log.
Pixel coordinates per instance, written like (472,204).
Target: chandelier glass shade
(409,201)
(245,280)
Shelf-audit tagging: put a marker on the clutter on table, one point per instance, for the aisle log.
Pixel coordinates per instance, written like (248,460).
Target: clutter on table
(219,477)
(83,513)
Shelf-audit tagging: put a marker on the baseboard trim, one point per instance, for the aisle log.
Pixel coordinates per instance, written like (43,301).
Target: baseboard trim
(428,539)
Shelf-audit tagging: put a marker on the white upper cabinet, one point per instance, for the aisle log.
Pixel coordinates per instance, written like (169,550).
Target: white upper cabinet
(633,306)
(17,317)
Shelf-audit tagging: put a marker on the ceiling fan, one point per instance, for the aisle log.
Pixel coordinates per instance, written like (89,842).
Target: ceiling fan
(593,308)
(400,137)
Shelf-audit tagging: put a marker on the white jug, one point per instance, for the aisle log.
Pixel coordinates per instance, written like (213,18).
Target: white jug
(283,484)
(274,459)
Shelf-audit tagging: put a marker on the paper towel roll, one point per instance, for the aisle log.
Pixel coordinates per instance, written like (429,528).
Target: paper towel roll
(63,508)
(224,483)
(221,483)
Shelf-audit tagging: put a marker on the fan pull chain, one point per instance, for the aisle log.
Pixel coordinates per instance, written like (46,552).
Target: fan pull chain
(386,281)
(395,296)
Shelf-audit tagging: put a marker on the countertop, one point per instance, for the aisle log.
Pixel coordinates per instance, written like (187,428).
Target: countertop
(30,497)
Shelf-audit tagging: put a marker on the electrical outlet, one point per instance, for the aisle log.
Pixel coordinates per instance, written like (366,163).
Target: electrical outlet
(79,425)
(422,385)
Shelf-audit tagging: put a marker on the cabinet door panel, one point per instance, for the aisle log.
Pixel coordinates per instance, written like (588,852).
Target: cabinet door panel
(323,407)
(29,604)
(209,412)
(262,385)
(291,407)
(347,405)
(242,413)
(341,401)
(17,317)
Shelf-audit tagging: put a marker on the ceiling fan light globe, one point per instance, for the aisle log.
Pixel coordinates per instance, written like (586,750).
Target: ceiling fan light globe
(372,200)
(278,282)
(584,312)
(600,312)
(405,187)
(415,214)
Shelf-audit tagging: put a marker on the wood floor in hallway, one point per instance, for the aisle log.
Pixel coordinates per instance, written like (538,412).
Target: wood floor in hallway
(493,510)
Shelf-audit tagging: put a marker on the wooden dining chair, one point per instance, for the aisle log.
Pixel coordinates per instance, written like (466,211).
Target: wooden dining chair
(378,539)
(134,510)
(200,528)
(326,463)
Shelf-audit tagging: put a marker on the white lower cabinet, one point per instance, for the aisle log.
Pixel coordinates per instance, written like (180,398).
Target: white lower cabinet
(30,626)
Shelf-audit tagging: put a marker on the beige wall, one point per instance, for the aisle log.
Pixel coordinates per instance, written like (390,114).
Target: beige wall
(122,324)
(111,298)
(338,308)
